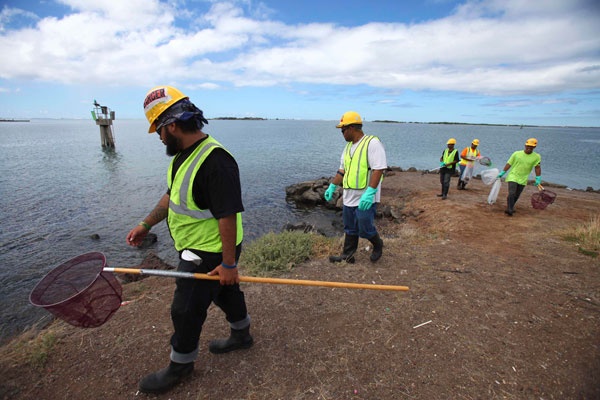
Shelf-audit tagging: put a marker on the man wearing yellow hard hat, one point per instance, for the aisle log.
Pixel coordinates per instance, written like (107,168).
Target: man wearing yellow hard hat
(520,164)
(360,173)
(202,206)
(467,163)
(448,162)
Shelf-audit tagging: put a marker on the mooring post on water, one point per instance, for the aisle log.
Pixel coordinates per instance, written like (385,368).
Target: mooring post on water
(104,118)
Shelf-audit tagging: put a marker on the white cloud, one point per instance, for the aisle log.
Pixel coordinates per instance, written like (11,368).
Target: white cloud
(492,47)
(10,13)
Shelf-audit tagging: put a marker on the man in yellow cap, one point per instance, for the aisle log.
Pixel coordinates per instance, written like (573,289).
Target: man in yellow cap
(203,206)
(467,163)
(520,165)
(448,162)
(361,172)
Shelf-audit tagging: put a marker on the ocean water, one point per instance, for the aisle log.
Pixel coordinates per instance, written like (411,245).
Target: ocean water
(59,187)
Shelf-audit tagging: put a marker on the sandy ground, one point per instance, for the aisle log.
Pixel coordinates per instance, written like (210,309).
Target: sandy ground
(498,308)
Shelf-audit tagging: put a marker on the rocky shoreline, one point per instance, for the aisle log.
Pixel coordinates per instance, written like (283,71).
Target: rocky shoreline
(310,194)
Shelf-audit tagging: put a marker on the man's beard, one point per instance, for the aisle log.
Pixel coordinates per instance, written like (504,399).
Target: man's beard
(172,143)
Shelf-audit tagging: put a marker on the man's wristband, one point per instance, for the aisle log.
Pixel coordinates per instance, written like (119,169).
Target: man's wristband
(228,266)
(145,225)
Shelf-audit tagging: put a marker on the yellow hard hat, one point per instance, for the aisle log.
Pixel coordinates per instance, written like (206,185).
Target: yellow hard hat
(157,100)
(349,118)
(475,142)
(531,142)
(451,141)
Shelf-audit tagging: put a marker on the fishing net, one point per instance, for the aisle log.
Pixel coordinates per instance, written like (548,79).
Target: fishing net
(485,161)
(79,292)
(542,199)
(489,175)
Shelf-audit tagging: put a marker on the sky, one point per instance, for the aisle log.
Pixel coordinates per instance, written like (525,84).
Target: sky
(533,62)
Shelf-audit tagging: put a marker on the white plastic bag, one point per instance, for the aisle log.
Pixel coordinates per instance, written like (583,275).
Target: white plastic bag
(467,173)
(494,192)
(489,176)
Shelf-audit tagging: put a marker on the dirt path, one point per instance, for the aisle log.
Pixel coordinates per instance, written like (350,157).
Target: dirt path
(499,308)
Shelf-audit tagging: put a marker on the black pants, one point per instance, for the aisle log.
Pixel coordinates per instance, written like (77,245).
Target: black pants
(445,175)
(193,297)
(514,192)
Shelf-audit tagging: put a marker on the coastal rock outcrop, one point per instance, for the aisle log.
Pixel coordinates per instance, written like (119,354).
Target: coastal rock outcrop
(309,194)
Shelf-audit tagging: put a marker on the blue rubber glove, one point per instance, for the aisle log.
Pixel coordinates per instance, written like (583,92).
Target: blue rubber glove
(367,198)
(329,192)
(501,174)
(538,180)
(442,164)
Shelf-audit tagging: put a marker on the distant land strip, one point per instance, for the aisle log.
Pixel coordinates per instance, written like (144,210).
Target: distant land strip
(450,123)
(241,119)
(13,120)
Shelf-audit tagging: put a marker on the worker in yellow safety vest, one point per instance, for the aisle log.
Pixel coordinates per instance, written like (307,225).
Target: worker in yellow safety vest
(467,160)
(360,173)
(202,206)
(448,162)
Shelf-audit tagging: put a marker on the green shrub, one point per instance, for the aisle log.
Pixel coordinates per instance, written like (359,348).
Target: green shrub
(274,253)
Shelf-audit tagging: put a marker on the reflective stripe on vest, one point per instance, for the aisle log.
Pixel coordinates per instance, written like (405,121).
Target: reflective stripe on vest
(356,166)
(190,226)
(182,207)
(449,157)
(470,154)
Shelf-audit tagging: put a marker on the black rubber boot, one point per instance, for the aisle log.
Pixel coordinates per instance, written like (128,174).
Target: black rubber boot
(445,190)
(239,339)
(166,378)
(377,247)
(510,205)
(350,246)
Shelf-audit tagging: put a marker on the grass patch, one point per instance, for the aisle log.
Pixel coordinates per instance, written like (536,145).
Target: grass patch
(280,252)
(41,349)
(31,348)
(586,237)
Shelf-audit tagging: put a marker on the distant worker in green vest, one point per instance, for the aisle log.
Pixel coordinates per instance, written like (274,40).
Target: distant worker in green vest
(202,206)
(448,162)
(520,164)
(467,160)
(360,174)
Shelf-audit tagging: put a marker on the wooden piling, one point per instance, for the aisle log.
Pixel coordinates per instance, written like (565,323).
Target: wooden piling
(104,118)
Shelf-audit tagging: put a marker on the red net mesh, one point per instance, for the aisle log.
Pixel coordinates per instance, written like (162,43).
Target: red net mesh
(79,292)
(542,199)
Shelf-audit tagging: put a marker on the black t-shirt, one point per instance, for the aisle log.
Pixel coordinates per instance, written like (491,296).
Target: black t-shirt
(217,183)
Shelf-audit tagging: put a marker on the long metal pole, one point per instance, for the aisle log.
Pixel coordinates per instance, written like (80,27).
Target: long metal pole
(278,281)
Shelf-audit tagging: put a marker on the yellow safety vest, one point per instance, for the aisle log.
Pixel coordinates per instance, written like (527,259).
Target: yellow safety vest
(470,154)
(449,157)
(356,165)
(190,226)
